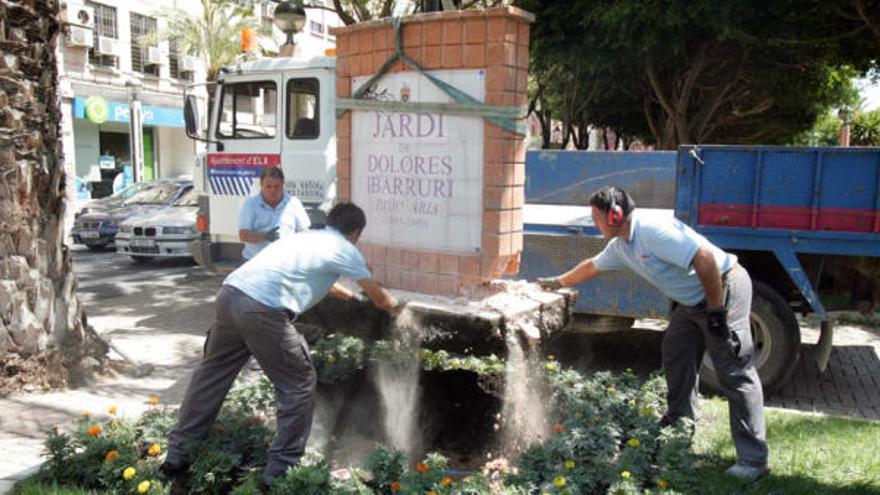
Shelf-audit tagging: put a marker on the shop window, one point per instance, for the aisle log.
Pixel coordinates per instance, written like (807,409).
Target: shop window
(248,110)
(105,25)
(143,28)
(316,28)
(302,109)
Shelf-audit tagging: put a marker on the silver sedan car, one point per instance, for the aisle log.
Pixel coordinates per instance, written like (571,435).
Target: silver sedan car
(165,232)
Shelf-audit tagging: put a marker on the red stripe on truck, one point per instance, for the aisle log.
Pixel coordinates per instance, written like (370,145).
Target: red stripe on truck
(789,217)
(257,160)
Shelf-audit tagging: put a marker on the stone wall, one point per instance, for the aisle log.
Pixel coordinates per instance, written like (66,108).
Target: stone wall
(495,41)
(38,306)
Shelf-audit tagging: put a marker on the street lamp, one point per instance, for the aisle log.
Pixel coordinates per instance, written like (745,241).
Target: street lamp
(844,114)
(135,128)
(290,17)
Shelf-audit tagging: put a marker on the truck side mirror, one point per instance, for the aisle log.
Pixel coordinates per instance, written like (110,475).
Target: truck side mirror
(191,117)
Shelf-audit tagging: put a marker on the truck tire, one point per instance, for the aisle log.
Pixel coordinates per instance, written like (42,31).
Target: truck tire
(777,340)
(141,259)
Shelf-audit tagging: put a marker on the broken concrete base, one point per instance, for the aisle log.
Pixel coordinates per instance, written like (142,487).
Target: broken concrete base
(476,326)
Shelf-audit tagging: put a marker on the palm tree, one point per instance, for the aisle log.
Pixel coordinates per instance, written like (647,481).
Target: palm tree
(42,325)
(212,34)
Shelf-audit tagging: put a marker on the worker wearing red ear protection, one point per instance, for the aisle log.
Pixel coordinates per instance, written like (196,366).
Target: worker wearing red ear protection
(712,297)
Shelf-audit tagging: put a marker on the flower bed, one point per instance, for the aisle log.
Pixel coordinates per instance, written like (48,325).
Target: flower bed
(605,440)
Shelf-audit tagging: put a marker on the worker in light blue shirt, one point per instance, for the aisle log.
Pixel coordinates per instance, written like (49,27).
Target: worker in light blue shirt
(712,296)
(270,215)
(256,309)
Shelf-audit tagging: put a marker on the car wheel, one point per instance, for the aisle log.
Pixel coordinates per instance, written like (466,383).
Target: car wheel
(96,247)
(141,259)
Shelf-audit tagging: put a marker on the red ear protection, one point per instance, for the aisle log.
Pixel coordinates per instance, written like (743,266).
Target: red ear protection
(615,214)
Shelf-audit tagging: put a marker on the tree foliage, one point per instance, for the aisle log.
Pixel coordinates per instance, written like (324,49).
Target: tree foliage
(693,71)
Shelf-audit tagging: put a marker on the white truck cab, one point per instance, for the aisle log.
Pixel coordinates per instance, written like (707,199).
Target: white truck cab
(267,112)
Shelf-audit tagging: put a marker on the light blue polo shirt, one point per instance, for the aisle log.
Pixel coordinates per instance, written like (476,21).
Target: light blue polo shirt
(297,271)
(660,251)
(289,215)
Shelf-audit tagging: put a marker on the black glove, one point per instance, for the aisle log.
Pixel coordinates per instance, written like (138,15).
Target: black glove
(359,297)
(717,319)
(549,283)
(271,235)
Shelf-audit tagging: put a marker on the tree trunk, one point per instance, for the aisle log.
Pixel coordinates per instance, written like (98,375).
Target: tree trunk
(40,314)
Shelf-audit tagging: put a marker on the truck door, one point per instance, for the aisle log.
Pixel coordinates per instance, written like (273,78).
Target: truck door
(309,143)
(248,125)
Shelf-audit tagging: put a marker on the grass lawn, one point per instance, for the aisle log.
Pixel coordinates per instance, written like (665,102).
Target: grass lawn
(808,455)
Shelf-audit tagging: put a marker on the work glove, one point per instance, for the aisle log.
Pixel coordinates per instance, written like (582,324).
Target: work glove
(717,319)
(549,283)
(401,303)
(271,235)
(359,297)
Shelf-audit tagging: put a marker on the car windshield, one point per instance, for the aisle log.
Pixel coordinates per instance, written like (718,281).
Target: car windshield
(158,194)
(189,198)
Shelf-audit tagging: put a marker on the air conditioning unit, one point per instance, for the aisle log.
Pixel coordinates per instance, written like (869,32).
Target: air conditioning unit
(189,63)
(155,56)
(267,9)
(78,14)
(108,46)
(79,37)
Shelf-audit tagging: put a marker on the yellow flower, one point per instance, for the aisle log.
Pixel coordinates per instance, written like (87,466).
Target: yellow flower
(112,410)
(646,411)
(143,487)
(432,492)
(569,464)
(113,454)
(550,366)
(631,402)
(128,473)
(551,357)
(663,483)
(610,390)
(559,481)
(633,442)
(153,400)
(154,450)
(629,370)
(331,359)
(86,414)
(446,481)
(625,475)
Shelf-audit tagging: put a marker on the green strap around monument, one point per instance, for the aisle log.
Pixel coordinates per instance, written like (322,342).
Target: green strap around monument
(508,118)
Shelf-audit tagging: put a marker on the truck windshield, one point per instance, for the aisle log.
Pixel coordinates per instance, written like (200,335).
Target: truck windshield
(248,110)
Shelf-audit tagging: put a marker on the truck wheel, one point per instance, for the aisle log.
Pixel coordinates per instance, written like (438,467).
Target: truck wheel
(141,259)
(777,339)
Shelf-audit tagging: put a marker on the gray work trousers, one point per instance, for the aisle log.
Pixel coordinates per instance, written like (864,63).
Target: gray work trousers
(684,343)
(245,327)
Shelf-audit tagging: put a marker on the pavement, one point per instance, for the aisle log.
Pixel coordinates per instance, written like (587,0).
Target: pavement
(158,313)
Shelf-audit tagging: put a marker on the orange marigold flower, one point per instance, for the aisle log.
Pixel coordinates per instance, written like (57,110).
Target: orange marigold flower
(446,481)
(557,428)
(94,431)
(113,454)
(154,450)
(421,467)
(219,429)
(255,420)
(663,483)
(153,400)
(395,486)
(432,492)
(112,410)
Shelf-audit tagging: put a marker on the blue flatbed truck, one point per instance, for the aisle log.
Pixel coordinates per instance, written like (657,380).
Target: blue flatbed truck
(805,223)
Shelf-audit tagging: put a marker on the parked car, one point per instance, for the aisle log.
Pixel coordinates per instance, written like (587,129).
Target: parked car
(97,230)
(165,232)
(109,202)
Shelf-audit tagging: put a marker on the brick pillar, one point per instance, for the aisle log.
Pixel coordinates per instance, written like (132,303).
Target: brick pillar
(491,47)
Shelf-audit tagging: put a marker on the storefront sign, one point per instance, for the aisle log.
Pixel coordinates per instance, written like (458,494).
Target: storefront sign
(233,174)
(96,108)
(419,177)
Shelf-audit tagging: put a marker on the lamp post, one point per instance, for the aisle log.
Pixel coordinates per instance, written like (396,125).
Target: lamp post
(844,114)
(290,17)
(135,128)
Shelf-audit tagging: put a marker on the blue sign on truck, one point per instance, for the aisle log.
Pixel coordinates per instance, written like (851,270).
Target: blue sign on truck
(790,215)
